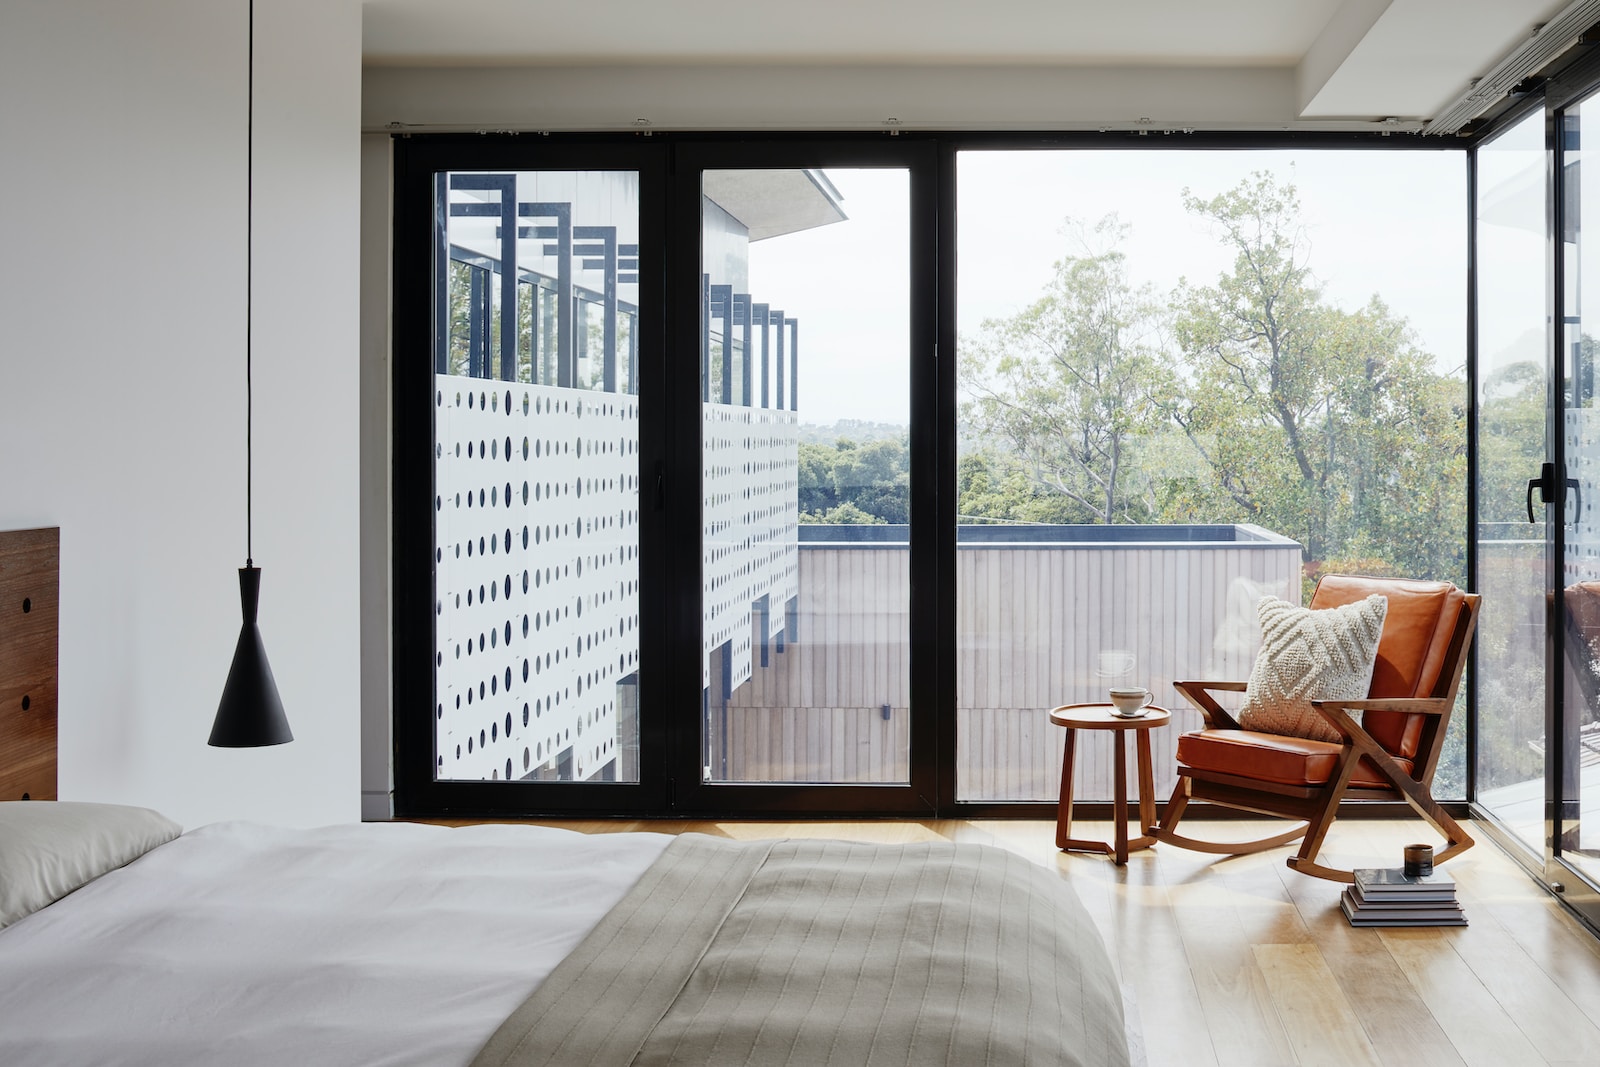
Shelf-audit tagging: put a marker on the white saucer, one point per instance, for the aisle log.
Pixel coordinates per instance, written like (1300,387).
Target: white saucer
(1141,713)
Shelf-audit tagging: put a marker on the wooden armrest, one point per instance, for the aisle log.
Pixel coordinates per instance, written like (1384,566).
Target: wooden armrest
(1408,705)
(1221,687)
(1216,716)
(1337,714)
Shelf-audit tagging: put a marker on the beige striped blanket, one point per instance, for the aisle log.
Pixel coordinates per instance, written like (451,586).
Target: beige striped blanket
(828,953)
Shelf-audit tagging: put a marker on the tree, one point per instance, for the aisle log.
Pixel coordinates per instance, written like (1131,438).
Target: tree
(1511,556)
(993,486)
(461,312)
(1326,425)
(1069,384)
(1511,439)
(849,480)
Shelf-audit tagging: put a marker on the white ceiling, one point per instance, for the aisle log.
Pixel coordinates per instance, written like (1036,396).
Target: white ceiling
(1340,59)
(1156,32)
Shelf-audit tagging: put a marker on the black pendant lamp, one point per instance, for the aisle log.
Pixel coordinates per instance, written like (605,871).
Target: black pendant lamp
(251,713)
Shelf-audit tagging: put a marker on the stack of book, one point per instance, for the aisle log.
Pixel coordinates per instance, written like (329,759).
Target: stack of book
(1390,897)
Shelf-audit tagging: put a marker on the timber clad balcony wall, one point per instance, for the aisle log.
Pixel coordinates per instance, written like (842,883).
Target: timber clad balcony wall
(1046,616)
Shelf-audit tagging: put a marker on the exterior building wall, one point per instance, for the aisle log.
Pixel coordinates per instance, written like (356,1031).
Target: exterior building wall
(1039,625)
(537,576)
(750,518)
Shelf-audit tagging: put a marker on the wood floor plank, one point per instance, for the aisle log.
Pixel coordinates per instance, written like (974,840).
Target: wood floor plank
(1241,1018)
(1150,951)
(1479,1028)
(1393,1015)
(1552,939)
(1321,1024)
(1539,1006)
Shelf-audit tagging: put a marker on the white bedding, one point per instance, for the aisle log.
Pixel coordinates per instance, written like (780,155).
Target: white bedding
(240,945)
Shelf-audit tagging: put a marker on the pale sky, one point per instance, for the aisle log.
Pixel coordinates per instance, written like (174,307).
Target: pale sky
(1385,222)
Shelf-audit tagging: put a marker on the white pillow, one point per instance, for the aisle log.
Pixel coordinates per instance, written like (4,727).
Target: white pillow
(1306,655)
(49,848)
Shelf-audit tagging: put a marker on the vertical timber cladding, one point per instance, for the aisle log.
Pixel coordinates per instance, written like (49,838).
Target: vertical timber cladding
(537,578)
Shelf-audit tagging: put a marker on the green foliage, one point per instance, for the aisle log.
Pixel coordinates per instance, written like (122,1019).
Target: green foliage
(1326,425)
(1511,440)
(993,488)
(845,514)
(852,482)
(1069,385)
(1249,399)
(459,300)
(460,303)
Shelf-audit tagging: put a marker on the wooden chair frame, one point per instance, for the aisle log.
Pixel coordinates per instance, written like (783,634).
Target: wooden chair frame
(1317,806)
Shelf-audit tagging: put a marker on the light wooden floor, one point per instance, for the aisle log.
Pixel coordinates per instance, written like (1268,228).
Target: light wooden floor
(1240,961)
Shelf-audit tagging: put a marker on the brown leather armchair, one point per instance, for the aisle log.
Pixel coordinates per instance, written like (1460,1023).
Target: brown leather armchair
(1391,740)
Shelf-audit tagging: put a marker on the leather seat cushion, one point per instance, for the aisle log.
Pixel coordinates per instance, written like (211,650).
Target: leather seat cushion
(1274,758)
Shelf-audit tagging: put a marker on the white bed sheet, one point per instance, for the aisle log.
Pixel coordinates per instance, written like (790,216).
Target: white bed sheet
(239,944)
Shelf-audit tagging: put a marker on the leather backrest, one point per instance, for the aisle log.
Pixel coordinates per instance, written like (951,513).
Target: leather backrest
(1417,632)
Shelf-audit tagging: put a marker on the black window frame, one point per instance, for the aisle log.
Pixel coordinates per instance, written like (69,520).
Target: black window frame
(668,164)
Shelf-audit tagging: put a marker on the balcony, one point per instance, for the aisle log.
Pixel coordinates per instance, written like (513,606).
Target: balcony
(1047,615)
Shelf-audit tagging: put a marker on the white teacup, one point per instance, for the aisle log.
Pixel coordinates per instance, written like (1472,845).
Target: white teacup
(1130,703)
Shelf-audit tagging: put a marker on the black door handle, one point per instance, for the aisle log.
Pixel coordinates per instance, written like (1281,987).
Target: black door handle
(1572,483)
(1545,483)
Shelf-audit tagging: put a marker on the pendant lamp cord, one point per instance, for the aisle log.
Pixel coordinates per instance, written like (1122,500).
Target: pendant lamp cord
(249,292)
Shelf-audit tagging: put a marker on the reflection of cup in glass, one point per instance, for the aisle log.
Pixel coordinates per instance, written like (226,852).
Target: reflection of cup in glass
(1114,662)
(1130,703)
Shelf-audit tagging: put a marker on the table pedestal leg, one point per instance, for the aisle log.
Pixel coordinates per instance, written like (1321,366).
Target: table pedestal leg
(1064,810)
(1119,797)
(1147,786)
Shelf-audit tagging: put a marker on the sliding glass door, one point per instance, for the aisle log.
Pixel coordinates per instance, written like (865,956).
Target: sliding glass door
(806,496)
(1576,836)
(657,436)
(1513,398)
(536,477)
(1190,379)
(814,336)
(1538,432)
(521,517)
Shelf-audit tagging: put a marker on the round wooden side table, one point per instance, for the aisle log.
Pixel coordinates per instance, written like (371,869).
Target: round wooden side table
(1075,717)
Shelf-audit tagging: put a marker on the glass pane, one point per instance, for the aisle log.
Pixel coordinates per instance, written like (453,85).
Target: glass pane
(1580,778)
(805,372)
(1190,379)
(536,474)
(1513,399)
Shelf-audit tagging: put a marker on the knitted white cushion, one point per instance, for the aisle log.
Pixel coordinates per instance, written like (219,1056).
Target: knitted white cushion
(1306,655)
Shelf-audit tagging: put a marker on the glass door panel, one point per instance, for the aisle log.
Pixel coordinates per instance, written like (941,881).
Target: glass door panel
(536,472)
(1578,832)
(806,401)
(1135,469)
(1512,552)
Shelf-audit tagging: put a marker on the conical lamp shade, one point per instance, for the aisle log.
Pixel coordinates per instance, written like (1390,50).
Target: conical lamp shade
(250,715)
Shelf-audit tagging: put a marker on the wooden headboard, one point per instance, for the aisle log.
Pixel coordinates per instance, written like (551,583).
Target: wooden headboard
(30,565)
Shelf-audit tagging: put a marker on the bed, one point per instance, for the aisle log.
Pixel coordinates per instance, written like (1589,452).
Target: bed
(126,941)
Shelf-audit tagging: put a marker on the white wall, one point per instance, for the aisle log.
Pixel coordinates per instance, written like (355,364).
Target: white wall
(377,746)
(122,383)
